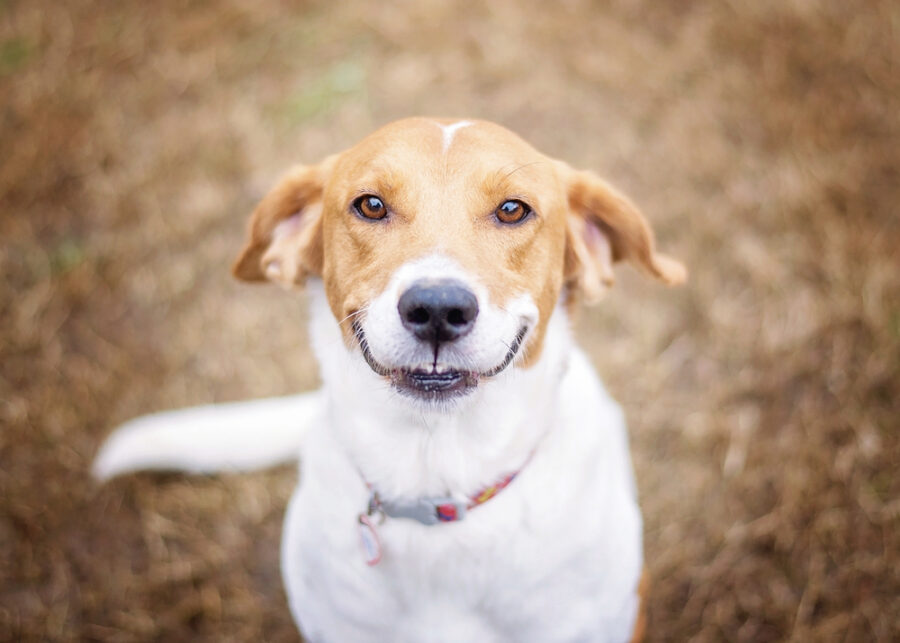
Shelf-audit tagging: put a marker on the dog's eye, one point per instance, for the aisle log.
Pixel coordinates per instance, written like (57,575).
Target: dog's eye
(370,207)
(512,211)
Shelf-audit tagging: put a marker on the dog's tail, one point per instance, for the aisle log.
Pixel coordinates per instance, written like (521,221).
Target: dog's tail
(237,436)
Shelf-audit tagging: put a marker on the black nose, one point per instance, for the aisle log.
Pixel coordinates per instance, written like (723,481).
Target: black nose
(438,311)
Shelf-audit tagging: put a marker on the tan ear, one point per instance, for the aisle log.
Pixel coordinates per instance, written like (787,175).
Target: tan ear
(604,227)
(284,237)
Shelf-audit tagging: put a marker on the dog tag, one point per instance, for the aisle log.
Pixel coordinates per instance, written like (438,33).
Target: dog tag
(369,537)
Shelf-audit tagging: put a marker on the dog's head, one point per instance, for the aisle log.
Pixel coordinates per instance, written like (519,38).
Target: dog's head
(444,248)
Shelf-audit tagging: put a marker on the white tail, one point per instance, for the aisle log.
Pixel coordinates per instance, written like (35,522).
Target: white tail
(237,436)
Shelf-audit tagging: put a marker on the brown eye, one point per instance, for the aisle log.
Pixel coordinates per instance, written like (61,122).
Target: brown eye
(370,207)
(512,211)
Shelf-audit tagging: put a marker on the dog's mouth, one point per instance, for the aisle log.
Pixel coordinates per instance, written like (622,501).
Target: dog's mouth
(439,382)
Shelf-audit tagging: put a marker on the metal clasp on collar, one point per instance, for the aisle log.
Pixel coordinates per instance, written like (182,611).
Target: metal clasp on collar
(375,507)
(428,511)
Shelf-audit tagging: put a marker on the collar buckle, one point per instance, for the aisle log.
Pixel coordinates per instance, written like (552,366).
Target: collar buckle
(428,511)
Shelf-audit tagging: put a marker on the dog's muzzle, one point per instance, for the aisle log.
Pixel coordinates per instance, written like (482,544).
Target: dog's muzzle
(436,312)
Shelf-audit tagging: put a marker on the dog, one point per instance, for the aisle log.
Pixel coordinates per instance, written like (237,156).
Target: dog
(464,475)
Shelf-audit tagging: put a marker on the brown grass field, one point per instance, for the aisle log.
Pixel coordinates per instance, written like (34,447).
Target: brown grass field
(761,138)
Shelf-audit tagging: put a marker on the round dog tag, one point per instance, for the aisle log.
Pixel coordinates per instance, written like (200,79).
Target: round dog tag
(370,542)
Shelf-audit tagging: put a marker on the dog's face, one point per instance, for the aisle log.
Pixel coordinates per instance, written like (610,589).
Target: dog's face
(444,248)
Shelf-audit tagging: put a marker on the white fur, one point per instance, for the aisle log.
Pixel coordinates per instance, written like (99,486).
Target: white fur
(238,436)
(449,131)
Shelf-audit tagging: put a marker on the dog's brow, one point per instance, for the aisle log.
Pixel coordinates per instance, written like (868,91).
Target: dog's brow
(501,184)
(520,167)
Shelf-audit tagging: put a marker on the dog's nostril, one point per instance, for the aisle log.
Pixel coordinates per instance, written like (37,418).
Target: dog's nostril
(418,316)
(456,317)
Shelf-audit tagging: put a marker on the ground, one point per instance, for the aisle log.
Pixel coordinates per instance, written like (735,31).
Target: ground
(760,138)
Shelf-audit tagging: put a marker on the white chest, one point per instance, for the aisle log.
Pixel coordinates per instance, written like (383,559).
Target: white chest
(555,556)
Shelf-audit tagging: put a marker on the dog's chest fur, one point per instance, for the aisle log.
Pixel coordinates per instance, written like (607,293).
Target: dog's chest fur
(554,557)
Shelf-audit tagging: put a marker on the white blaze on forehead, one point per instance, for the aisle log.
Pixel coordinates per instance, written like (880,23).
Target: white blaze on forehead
(449,131)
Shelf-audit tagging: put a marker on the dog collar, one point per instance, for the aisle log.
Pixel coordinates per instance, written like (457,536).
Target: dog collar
(435,509)
(428,510)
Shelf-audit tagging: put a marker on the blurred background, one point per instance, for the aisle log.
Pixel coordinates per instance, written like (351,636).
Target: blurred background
(760,138)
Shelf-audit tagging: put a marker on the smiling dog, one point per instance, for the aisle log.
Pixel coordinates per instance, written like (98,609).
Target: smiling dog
(464,476)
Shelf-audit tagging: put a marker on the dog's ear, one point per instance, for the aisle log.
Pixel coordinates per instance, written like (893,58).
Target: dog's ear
(604,226)
(284,237)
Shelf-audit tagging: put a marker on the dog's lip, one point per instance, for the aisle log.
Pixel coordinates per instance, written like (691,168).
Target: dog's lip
(435,380)
(434,383)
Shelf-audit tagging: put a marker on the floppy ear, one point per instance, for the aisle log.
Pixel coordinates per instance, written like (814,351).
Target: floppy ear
(284,237)
(604,226)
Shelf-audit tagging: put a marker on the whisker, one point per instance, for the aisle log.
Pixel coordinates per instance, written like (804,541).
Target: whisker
(354,314)
(523,166)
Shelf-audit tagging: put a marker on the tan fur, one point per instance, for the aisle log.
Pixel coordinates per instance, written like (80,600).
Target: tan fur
(640,623)
(443,201)
(297,193)
(600,208)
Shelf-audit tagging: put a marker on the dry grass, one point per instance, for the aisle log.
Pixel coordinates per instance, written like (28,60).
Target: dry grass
(764,398)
